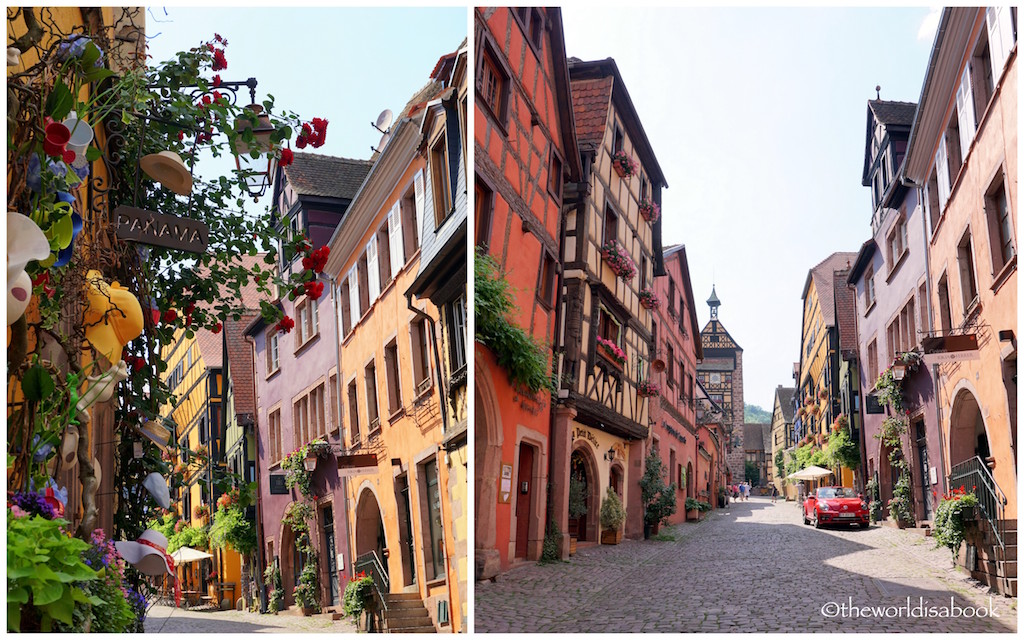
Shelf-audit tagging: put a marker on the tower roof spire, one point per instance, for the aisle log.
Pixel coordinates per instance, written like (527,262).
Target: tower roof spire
(714,303)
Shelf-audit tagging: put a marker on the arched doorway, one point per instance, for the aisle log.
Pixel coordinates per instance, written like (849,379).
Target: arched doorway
(487,459)
(967,435)
(583,484)
(369,527)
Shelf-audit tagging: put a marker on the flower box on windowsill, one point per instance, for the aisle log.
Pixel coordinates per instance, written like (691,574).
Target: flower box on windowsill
(618,260)
(623,164)
(607,350)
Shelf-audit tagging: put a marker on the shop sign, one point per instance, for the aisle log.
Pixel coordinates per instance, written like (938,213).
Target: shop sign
(580,432)
(355,464)
(161,230)
(956,348)
(277,486)
(505,484)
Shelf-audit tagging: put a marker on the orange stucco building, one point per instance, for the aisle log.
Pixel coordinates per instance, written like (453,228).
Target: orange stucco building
(526,162)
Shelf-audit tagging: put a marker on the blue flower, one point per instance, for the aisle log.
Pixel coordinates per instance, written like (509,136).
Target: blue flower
(34,179)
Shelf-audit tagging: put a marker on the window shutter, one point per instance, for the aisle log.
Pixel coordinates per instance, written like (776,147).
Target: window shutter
(353,292)
(965,112)
(1000,37)
(395,239)
(942,173)
(420,203)
(372,269)
(314,313)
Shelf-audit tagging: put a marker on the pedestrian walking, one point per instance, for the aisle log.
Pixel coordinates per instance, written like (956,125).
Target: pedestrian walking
(746,491)
(775,492)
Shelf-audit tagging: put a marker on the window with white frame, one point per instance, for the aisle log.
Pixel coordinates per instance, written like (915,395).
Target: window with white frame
(307,327)
(457,332)
(439,177)
(372,270)
(869,287)
(1001,25)
(353,293)
(372,408)
(273,355)
(420,355)
(897,242)
(965,112)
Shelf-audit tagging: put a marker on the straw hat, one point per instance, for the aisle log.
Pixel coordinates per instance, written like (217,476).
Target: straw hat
(25,242)
(113,317)
(156,432)
(157,487)
(168,169)
(148,554)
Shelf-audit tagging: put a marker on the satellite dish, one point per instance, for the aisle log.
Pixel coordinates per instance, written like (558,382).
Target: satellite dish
(383,142)
(383,121)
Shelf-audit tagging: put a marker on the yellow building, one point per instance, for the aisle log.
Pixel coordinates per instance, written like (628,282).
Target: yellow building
(782,440)
(817,383)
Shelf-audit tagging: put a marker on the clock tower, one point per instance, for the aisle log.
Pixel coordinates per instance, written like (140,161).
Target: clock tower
(721,373)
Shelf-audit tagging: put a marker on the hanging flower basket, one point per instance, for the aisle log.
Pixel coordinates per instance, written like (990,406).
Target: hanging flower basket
(611,351)
(624,164)
(649,299)
(647,389)
(650,210)
(822,394)
(618,260)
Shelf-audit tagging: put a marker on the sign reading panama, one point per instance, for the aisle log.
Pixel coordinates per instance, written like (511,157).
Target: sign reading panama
(160,229)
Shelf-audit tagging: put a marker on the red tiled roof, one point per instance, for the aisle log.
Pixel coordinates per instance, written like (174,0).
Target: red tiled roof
(590,102)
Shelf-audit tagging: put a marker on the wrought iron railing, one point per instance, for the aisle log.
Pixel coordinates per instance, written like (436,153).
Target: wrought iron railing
(370,564)
(991,500)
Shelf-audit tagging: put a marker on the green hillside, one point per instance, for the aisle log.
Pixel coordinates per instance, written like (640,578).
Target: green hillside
(754,413)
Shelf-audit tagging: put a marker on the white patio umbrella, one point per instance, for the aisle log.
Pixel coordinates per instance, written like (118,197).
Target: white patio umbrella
(185,555)
(809,473)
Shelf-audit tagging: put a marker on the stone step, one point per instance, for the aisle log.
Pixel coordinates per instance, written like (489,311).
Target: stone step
(421,629)
(399,605)
(1007,568)
(403,596)
(408,614)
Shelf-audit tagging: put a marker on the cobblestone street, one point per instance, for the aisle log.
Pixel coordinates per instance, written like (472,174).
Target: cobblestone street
(162,619)
(750,567)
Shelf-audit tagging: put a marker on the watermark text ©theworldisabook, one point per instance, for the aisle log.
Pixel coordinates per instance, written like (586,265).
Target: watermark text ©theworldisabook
(918,609)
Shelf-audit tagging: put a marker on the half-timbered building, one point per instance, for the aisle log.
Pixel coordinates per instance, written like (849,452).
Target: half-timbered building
(610,252)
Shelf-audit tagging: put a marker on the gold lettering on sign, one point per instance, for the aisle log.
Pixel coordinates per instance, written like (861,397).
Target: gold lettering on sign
(580,432)
(161,230)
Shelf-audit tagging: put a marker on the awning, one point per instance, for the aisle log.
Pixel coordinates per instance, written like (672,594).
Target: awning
(809,473)
(185,555)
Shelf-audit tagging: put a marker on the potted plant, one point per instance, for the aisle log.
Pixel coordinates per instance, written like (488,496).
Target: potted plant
(901,505)
(306,591)
(358,598)
(577,505)
(659,499)
(955,510)
(618,260)
(624,164)
(649,299)
(693,509)
(612,351)
(650,210)
(612,516)
(647,389)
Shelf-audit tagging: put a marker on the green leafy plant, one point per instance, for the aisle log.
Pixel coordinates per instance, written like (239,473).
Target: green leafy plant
(189,536)
(612,512)
(577,498)
(523,358)
(307,592)
(901,506)
(890,390)
(272,579)
(950,519)
(658,498)
(841,449)
(358,595)
(294,466)
(874,503)
(551,551)
(780,463)
(45,574)
(698,505)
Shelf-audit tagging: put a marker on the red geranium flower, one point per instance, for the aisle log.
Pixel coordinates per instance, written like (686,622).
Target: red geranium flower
(216,328)
(300,142)
(181,135)
(219,61)
(170,315)
(287,157)
(314,289)
(216,80)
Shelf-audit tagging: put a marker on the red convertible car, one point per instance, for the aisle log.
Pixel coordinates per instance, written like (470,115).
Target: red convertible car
(835,505)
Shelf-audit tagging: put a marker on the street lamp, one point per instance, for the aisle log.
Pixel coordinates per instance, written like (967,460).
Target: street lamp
(257,172)
(310,461)
(899,370)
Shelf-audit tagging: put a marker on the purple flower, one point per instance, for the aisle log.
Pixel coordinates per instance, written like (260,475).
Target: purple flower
(34,180)
(33,504)
(74,47)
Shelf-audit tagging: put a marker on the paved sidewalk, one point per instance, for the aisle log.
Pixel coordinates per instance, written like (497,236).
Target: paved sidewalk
(163,619)
(750,567)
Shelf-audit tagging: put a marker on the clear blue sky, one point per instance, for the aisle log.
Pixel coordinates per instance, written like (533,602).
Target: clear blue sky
(757,117)
(343,64)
